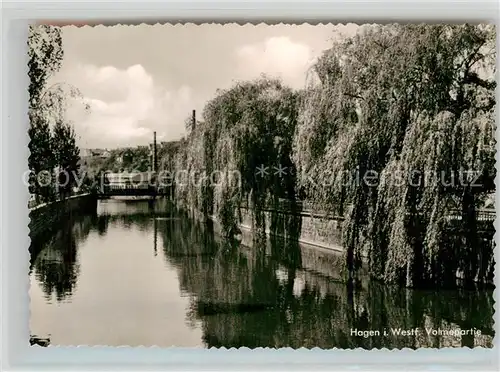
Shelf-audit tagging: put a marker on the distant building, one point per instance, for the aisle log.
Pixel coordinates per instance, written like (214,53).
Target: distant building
(88,155)
(95,153)
(125,156)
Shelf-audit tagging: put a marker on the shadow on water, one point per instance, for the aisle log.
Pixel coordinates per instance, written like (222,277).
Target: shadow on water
(274,293)
(54,256)
(266,296)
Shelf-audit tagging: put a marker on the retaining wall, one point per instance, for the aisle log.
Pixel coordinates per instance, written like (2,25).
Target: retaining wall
(320,235)
(314,230)
(45,218)
(319,240)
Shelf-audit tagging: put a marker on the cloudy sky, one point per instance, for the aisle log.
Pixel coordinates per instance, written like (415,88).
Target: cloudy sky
(140,79)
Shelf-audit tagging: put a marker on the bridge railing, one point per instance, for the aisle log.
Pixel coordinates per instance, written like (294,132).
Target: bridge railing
(129,187)
(133,189)
(486,215)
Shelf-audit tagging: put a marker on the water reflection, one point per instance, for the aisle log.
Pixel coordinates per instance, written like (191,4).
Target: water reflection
(54,258)
(264,297)
(274,294)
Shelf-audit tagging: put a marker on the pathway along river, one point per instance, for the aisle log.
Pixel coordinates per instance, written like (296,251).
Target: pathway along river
(136,275)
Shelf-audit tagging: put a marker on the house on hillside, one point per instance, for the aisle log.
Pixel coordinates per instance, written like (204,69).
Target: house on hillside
(99,153)
(125,156)
(96,153)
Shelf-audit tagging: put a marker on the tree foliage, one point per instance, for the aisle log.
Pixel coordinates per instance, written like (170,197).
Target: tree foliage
(45,55)
(52,139)
(248,126)
(402,102)
(41,159)
(67,156)
(394,131)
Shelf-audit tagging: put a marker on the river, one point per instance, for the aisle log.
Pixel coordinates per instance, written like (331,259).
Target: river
(137,274)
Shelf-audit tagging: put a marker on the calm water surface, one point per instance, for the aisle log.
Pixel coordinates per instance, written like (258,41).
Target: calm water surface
(133,274)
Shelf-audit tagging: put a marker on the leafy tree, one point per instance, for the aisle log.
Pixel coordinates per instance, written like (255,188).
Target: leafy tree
(67,156)
(41,160)
(394,131)
(188,124)
(401,102)
(248,126)
(45,54)
(47,108)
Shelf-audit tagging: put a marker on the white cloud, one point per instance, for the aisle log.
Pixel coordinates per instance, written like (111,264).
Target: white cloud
(278,57)
(126,106)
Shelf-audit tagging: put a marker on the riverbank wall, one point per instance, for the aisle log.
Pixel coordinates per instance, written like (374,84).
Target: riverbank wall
(319,237)
(312,229)
(319,234)
(316,239)
(46,218)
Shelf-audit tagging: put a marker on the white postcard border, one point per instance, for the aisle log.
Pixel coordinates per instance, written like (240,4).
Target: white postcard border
(16,352)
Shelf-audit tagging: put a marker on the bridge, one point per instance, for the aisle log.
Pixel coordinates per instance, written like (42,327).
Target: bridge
(134,184)
(132,190)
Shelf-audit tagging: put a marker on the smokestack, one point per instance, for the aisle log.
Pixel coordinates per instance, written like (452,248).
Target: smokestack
(155,159)
(193,126)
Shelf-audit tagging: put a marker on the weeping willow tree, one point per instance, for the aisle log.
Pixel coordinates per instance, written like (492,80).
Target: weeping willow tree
(396,131)
(245,128)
